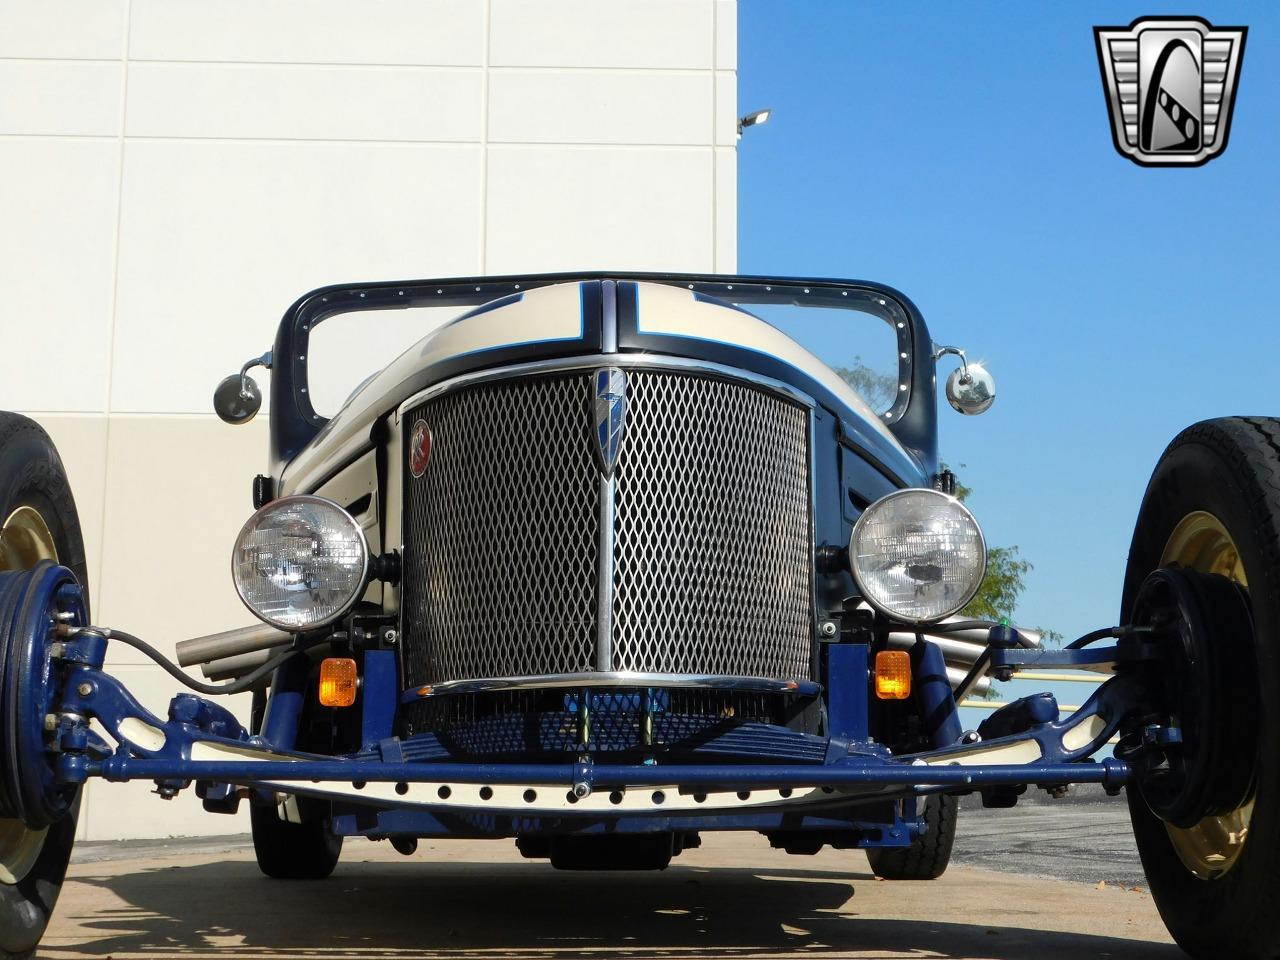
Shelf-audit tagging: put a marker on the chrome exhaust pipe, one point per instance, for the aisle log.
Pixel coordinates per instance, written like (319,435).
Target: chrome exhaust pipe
(230,643)
(953,651)
(956,675)
(960,650)
(979,635)
(233,668)
(962,646)
(959,657)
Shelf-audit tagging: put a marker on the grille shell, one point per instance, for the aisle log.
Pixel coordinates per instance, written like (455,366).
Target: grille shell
(711,537)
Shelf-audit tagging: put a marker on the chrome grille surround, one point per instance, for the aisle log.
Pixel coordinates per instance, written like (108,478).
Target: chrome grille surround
(705,522)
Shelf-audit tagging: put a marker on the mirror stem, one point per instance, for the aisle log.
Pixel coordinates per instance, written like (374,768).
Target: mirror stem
(940,352)
(263,361)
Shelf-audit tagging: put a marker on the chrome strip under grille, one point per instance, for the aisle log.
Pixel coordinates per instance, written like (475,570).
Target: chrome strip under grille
(631,681)
(705,523)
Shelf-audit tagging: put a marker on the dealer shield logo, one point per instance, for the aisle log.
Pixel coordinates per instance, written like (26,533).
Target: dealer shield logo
(610,414)
(1170,84)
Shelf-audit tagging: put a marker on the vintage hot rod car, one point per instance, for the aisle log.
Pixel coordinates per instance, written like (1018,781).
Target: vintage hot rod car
(609,560)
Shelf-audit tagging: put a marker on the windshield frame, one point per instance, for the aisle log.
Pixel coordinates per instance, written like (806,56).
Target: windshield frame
(912,417)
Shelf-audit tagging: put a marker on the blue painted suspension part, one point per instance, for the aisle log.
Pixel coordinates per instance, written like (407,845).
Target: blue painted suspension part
(852,762)
(934,694)
(1110,772)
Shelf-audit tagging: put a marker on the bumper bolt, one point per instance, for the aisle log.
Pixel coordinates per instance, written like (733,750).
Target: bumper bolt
(582,790)
(828,628)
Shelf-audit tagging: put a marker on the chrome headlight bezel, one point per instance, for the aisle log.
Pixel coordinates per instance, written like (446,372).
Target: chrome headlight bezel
(344,518)
(878,603)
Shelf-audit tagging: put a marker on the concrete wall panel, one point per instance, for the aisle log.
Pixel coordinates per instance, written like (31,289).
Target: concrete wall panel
(179,172)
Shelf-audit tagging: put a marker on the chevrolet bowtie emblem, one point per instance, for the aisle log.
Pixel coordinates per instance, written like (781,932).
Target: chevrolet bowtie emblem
(610,415)
(1170,84)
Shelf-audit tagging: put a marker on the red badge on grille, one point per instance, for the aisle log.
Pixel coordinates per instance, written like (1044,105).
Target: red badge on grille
(419,449)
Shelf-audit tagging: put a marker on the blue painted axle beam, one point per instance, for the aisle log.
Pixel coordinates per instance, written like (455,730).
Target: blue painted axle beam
(1110,772)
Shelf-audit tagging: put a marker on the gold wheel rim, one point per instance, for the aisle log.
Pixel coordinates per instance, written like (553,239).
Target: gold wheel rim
(1209,849)
(25,540)
(19,850)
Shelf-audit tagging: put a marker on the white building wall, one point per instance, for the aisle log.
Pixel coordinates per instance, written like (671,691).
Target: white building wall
(177,172)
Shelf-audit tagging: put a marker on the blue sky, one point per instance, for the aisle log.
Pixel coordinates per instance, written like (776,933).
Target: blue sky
(962,153)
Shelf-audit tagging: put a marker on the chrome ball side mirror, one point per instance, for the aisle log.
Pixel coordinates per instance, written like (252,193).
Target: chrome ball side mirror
(237,399)
(970,389)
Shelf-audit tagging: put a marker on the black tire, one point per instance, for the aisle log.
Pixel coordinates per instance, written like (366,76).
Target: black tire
(1229,468)
(929,853)
(25,907)
(293,851)
(32,475)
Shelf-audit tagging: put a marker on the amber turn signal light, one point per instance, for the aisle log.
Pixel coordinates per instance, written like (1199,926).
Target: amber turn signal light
(893,675)
(337,682)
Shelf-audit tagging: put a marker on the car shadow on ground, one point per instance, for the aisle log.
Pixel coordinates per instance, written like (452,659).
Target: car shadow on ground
(227,909)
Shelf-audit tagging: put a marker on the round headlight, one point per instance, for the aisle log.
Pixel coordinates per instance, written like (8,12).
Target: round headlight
(917,555)
(300,562)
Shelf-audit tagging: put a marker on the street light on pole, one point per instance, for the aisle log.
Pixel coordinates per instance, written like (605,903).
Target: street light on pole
(753,119)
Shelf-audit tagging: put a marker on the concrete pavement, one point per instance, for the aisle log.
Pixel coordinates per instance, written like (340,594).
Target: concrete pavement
(732,898)
(1086,838)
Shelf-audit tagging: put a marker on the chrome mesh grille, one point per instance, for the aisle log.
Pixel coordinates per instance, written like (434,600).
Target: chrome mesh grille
(712,543)
(713,569)
(502,533)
